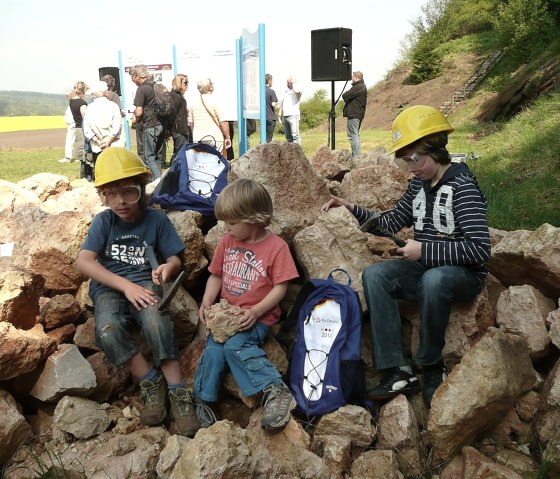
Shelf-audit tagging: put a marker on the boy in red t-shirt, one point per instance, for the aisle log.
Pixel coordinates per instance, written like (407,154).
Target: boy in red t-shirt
(251,269)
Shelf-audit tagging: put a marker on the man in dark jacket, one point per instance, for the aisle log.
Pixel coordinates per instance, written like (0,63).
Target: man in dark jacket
(354,109)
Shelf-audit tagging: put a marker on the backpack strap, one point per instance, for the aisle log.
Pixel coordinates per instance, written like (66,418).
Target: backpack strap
(330,276)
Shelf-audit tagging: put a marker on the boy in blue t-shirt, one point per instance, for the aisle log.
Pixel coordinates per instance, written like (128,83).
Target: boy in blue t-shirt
(125,289)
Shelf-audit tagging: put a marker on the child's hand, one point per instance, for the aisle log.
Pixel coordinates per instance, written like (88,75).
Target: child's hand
(247,319)
(202,312)
(161,274)
(140,297)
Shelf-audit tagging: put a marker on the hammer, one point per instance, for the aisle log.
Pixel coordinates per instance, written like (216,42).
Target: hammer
(169,290)
(373,226)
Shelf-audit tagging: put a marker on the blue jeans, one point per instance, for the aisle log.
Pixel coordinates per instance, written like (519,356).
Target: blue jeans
(435,289)
(353,130)
(114,316)
(248,363)
(270,127)
(179,140)
(291,128)
(153,140)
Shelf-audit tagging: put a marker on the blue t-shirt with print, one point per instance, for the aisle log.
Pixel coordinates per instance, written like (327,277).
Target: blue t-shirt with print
(121,246)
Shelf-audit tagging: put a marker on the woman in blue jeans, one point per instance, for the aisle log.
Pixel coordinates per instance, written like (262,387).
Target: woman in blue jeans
(442,265)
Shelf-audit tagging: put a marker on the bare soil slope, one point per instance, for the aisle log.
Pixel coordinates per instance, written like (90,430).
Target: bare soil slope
(389,96)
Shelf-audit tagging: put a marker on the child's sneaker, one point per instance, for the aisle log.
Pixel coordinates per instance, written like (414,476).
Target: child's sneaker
(278,404)
(397,382)
(205,412)
(183,411)
(154,396)
(434,375)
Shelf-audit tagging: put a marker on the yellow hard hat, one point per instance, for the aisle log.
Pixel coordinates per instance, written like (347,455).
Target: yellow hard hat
(116,163)
(417,122)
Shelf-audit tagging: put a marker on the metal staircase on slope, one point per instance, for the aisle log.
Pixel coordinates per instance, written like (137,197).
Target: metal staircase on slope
(474,80)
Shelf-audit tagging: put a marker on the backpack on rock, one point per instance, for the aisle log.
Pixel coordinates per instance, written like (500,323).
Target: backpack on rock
(326,369)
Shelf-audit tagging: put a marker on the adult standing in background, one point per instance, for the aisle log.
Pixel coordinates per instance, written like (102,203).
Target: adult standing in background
(290,111)
(78,108)
(206,119)
(70,131)
(180,130)
(110,93)
(102,124)
(271,102)
(355,101)
(145,112)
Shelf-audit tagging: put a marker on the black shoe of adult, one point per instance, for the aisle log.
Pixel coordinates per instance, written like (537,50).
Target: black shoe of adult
(434,375)
(396,382)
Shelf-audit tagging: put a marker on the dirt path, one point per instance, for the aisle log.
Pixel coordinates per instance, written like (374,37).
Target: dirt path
(22,140)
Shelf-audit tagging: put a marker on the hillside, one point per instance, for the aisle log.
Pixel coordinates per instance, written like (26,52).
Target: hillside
(27,103)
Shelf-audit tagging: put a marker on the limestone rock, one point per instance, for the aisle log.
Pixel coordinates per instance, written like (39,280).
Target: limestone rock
(59,310)
(377,464)
(495,372)
(44,185)
(295,207)
(110,380)
(65,372)
(22,351)
(222,319)
(80,417)
(348,421)
(19,297)
(523,310)
(529,257)
(14,430)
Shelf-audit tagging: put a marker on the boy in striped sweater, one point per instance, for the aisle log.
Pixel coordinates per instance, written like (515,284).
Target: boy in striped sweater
(442,265)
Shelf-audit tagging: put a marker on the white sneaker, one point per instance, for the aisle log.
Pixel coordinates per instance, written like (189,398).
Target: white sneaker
(65,160)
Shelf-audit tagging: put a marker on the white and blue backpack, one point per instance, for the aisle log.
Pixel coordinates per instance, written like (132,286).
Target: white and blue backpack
(326,369)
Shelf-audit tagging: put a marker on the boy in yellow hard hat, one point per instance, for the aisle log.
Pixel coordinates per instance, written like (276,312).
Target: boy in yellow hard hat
(442,265)
(125,289)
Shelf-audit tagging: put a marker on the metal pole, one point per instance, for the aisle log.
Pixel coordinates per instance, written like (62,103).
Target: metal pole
(333,116)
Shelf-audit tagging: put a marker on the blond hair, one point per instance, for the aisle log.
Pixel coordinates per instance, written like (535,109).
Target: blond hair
(244,201)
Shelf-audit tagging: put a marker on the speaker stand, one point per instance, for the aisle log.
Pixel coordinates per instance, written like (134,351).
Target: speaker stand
(332,117)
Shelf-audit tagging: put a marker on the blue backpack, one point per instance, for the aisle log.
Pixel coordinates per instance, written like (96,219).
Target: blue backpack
(193,181)
(326,369)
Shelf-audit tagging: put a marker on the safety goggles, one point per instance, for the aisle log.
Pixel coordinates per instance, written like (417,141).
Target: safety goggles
(408,161)
(126,194)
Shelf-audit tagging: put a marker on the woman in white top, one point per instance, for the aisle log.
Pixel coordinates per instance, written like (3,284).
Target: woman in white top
(206,119)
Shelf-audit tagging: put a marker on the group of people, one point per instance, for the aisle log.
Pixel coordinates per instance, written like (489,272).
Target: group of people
(92,127)
(252,267)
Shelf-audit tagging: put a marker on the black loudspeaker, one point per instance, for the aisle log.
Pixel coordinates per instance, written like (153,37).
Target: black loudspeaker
(114,72)
(331,54)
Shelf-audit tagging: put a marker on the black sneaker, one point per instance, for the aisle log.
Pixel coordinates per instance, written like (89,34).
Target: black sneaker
(434,375)
(397,382)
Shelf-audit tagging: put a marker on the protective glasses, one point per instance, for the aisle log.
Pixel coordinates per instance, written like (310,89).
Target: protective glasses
(126,194)
(405,161)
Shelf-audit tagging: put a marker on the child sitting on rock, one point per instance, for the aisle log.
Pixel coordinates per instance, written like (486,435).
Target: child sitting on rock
(125,289)
(250,269)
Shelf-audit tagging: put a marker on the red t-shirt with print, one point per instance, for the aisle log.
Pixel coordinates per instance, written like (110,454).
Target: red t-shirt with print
(249,271)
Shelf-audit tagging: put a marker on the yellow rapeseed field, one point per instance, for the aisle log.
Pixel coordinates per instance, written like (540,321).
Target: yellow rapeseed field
(26,123)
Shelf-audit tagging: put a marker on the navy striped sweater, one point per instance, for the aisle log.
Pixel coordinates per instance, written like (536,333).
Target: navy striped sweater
(449,219)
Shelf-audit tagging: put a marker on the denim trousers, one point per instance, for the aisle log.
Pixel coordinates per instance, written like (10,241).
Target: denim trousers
(243,355)
(291,128)
(179,140)
(435,289)
(114,317)
(153,140)
(353,130)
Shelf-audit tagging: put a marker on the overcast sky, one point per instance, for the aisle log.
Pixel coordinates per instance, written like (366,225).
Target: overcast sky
(47,46)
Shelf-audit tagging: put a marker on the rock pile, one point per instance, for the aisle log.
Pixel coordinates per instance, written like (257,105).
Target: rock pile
(65,407)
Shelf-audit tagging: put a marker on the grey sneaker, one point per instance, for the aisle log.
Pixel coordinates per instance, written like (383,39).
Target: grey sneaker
(183,411)
(278,404)
(155,401)
(206,413)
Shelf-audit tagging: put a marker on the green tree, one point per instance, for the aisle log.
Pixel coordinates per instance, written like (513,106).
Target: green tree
(524,26)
